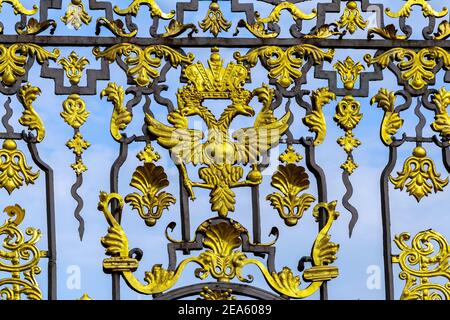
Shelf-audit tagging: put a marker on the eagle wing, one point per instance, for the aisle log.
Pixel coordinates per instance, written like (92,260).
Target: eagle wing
(250,143)
(185,144)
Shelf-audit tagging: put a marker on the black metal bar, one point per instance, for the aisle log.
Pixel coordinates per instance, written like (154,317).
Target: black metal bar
(184,213)
(89,41)
(386,222)
(50,202)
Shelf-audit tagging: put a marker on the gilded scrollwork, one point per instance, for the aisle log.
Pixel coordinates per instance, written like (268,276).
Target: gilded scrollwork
(349,71)
(419,175)
(417,68)
(142,62)
(14,58)
(421,263)
(315,119)
(121,117)
(135,5)
(34,27)
(209,294)
(392,122)
(427,10)
(259,27)
(150,179)
(220,259)
(115,26)
(351,18)
(14,170)
(30,118)
(443,31)
(19,8)
(20,257)
(285,65)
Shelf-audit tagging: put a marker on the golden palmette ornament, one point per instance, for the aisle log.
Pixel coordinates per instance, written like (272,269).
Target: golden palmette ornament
(349,72)
(220,154)
(419,175)
(214,20)
(150,179)
(348,116)
(417,68)
(351,18)
(74,66)
(14,170)
(19,257)
(76,15)
(290,179)
(221,257)
(425,266)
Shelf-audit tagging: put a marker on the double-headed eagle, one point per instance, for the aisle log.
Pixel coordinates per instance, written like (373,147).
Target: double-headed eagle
(221,153)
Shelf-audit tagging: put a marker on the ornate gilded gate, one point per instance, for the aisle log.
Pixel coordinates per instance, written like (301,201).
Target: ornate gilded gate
(234,105)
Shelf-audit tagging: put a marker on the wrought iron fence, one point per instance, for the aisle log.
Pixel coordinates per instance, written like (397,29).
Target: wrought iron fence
(221,155)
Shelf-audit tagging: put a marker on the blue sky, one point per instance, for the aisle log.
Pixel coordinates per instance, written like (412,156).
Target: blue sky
(356,255)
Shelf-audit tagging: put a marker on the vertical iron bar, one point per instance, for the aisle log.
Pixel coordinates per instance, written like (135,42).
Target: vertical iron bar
(386,221)
(256,215)
(184,212)
(316,170)
(50,203)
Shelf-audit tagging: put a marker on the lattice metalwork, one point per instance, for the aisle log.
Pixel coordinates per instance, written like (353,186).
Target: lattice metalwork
(245,77)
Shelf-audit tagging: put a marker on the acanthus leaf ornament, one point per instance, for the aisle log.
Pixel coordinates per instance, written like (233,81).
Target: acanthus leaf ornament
(424,265)
(34,27)
(76,15)
(388,32)
(417,68)
(419,175)
(315,119)
(150,180)
(406,9)
(349,72)
(115,26)
(30,118)
(214,20)
(285,65)
(142,62)
(391,121)
(20,257)
(221,154)
(14,58)
(443,31)
(121,117)
(351,18)
(441,122)
(14,170)
(74,66)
